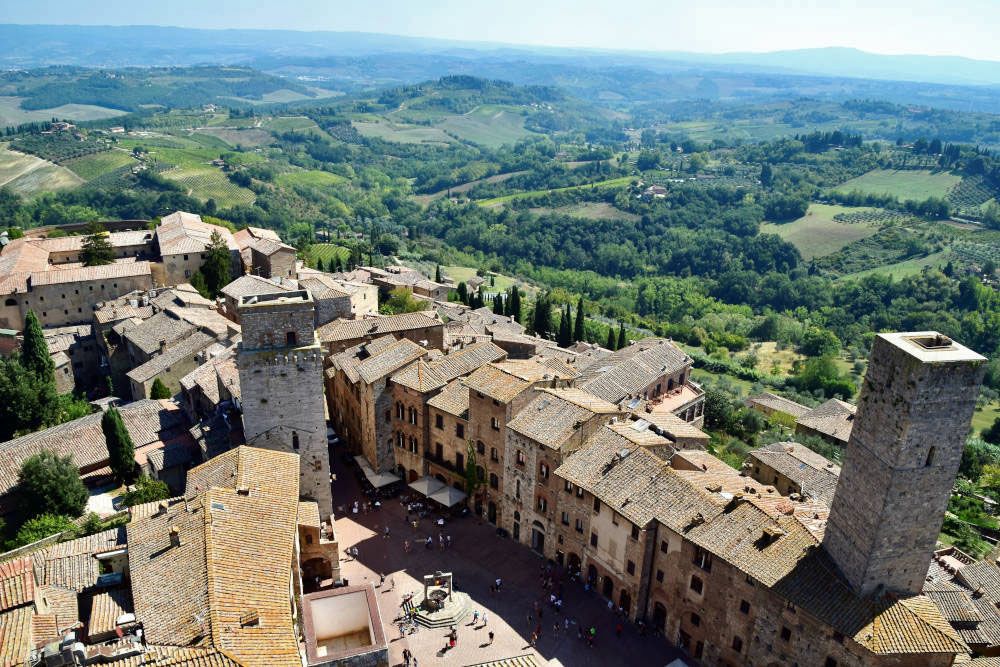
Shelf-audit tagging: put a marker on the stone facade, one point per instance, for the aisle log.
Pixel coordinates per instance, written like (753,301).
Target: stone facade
(281,382)
(67,297)
(913,416)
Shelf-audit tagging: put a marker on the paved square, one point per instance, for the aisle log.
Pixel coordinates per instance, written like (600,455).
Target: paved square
(477,557)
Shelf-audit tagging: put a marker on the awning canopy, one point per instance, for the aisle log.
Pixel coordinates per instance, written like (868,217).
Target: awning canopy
(426,485)
(447,496)
(376,479)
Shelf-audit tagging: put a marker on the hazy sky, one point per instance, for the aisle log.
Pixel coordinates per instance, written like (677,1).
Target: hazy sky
(955,27)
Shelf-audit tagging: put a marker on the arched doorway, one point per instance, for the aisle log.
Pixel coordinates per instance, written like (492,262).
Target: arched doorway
(659,616)
(412,477)
(625,602)
(573,563)
(591,575)
(517,532)
(491,512)
(608,587)
(538,537)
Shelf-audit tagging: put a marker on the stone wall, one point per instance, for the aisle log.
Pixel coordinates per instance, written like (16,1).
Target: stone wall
(73,303)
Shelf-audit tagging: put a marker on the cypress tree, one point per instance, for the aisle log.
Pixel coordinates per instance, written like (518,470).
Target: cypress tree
(437,274)
(463,293)
(121,450)
(319,264)
(34,351)
(578,325)
(611,339)
(565,328)
(217,268)
(515,304)
(543,316)
(498,304)
(621,335)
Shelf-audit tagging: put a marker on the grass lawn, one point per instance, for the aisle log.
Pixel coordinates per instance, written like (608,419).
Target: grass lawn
(402,133)
(817,234)
(701,375)
(90,167)
(312,179)
(611,183)
(769,356)
(461,274)
(590,210)
(907,184)
(905,268)
(245,137)
(27,174)
(206,183)
(488,125)
(984,418)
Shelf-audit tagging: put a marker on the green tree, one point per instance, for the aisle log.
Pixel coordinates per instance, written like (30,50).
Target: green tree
(50,484)
(97,247)
(818,342)
(766,175)
(146,490)
(217,267)
(610,344)
(319,264)
(27,402)
(473,480)
(992,434)
(401,300)
(35,351)
(498,308)
(578,324)
(437,274)
(121,450)
(463,293)
(198,282)
(43,526)
(621,336)
(159,390)
(514,304)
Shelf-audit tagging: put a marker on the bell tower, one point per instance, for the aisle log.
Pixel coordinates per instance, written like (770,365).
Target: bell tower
(281,383)
(909,432)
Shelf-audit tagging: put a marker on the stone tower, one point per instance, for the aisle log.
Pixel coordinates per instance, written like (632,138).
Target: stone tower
(905,447)
(281,385)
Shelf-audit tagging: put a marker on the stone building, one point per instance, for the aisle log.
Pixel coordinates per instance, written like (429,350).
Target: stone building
(653,371)
(361,400)
(338,299)
(281,381)
(272,259)
(769,404)
(67,296)
(248,285)
(832,421)
(548,429)
(182,240)
(425,329)
(913,416)
(422,443)
(497,393)
(794,469)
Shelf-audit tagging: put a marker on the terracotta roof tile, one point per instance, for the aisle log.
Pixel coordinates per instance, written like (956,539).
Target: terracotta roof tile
(17,583)
(453,399)
(341,330)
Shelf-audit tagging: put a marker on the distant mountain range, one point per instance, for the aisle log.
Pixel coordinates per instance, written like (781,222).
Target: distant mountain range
(29,46)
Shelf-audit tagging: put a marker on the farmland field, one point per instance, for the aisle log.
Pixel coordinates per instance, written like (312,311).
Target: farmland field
(817,234)
(590,210)
(465,187)
(326,252)
(402,133)
(313,179)
(248,137)
(487,125)
(460,274)
(610,183)
(98,164)
(905,268)
(290,123)
(27,174)
(11,112)
(208,183)
(905,185)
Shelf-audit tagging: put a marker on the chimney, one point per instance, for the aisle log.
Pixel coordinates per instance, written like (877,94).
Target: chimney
(163,346)
(175,536)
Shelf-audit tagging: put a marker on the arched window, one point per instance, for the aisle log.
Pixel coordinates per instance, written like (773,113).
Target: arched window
(290,338)
(10,302)
(517,488)
(930,457)
(295,441)
(494,481)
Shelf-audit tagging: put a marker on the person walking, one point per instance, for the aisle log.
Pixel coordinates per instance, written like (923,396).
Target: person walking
(386,535)
(485,620)
(499,583)
(381,579)
(491,637)
(475,618)
(406,657)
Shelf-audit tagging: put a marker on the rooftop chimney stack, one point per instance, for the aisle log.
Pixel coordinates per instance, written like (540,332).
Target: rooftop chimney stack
(175,536)
(906,444)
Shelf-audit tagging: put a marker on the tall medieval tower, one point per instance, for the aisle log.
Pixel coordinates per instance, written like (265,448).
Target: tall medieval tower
(281,384)
(913,417)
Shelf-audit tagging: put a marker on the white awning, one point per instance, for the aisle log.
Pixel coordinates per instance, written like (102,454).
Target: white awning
(426,485)
(447,496)
(376,479)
